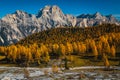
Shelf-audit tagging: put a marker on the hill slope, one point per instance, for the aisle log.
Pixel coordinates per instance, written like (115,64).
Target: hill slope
(62,35)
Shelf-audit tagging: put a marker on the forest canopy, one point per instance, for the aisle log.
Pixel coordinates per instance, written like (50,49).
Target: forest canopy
(62,43)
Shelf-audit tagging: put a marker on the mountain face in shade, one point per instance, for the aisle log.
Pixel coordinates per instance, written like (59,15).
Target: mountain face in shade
(20,24)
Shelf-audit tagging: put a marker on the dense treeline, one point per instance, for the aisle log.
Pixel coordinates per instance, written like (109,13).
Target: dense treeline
(104,46)
(62,43)
(62,35)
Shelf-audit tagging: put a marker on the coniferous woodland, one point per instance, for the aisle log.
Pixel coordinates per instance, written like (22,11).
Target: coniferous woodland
(101,42)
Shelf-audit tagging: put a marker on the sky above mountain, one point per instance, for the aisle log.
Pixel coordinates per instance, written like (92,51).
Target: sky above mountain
(74,7)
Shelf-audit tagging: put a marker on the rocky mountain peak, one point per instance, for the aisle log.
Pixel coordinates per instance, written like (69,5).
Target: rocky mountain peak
(49,10)
(85,16)
(110,15)
(19,12)
(97,15)
(55,9)
(111,18)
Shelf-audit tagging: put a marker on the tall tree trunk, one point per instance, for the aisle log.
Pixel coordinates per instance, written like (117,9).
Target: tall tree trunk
(66,63)
(119,62)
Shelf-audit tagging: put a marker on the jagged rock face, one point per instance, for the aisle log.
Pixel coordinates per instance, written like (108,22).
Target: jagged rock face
(17,26)
(9,34)
(54,17)
(51,17)
(86,20)
(20,24)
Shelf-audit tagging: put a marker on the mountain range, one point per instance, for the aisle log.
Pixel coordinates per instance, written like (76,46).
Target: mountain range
(20,24)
